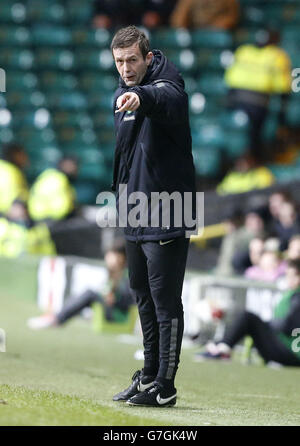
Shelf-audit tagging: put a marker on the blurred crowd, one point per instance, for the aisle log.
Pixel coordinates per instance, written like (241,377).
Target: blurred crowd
(222,14)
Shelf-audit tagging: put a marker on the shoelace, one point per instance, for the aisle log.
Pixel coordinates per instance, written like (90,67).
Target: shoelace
(136,375)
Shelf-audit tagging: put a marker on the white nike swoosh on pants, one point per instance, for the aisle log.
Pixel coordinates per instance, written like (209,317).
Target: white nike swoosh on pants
(165,243)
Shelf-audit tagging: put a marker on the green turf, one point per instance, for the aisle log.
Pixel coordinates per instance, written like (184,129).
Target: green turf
(67,376)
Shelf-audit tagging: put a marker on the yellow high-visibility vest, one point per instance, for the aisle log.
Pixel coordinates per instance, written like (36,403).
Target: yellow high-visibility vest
(51,196)
(13,185)
(16,239)
(265,70)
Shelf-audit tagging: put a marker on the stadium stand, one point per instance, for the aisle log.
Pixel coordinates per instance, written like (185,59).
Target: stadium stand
(61,78)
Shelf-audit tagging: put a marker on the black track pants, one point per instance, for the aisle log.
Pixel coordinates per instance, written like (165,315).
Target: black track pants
(156,273)
(264,337)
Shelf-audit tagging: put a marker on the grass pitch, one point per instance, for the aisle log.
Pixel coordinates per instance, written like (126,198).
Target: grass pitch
(67,376)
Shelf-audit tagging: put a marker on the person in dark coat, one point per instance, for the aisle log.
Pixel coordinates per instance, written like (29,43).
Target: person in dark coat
(153,155)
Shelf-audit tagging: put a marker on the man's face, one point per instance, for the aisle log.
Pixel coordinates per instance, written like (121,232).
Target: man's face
(131,65)
(293,278)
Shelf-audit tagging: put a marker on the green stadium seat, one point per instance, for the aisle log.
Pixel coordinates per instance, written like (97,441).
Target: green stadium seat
(35,139)
(208,135)
(190,84)
(55,59)
(50,35)
(293,113)
(96,82)
(207,161)
(47,11)
(171,38)
(106,135)
(103,119)
(102,101)
(95,59)
(91,38)
(17,80)
(211,39)
(92,171)
(185,59)
(18,59)
(213,59)
(212,84)
(236,120)
(75,137)
(199,105)
(12,11)
(73,100)
(64,118)
(16,36)
(55,81)
(245,36)
(6,135)
(270,127)
(236,144)
(20,99)
(108,151)
(38,118)
(79,11)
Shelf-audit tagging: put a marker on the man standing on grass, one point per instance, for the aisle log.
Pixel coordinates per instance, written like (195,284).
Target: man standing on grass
(153,154)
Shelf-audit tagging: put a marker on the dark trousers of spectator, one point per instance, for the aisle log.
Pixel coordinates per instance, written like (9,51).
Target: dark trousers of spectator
(75,305)
(264,337)
(156,274)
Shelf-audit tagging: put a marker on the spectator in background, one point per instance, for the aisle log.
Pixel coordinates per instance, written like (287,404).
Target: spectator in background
(274,339)
(239,235)
(269,267)
(245,176)
(259,71)
(293,251)
(20,235)
(245,258)
(219,14)
(13,184)
(288,224)
(115,297)
(52,196)
(118,13)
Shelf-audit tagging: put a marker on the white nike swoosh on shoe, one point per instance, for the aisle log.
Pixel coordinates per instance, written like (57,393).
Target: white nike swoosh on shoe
(165,243)
(142,387)
(161,401)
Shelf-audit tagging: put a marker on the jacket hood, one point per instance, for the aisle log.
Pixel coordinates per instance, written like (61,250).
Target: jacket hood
(159,68)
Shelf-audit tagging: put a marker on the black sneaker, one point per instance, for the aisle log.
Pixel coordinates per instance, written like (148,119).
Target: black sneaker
(155,396)
(140,383)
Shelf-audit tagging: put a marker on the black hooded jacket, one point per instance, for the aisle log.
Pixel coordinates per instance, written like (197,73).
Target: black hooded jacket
(153,145)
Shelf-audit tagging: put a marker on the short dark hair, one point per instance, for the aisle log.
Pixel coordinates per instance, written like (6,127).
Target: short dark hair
(294,263)
(128,36)
(10,149)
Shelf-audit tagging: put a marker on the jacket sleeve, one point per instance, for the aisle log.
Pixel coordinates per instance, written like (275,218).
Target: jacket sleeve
(163,101)
(292,320)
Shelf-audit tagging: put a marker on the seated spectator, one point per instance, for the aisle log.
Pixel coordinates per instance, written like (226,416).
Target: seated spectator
(274,339)
(288,224)
(13,184)
(245,176)
(118,13)
(20,235)
(244,258)
(52,196)
(115,298)
(219,14)
(238,238)
(293,251)
(269,268)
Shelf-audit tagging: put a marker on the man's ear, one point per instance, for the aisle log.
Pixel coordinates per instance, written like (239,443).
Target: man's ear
(149,58)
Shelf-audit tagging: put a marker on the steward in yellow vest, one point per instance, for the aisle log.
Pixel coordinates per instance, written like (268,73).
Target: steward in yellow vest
(52,196)
(259,71)
(19,235)
(13,184)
